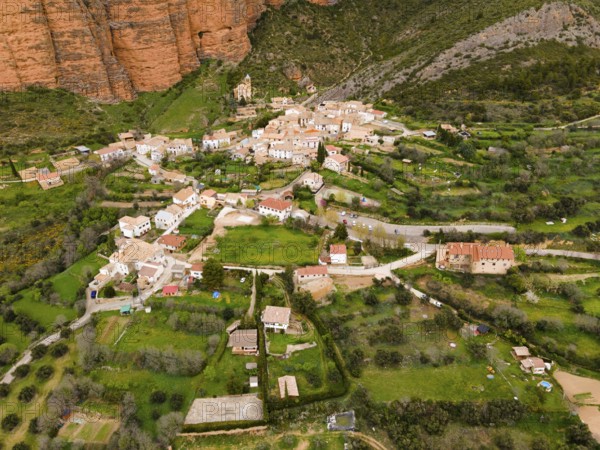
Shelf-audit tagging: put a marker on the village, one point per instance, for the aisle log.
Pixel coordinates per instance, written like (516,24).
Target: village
(258,261)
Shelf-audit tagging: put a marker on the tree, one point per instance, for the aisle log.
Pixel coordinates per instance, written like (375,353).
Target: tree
(44,372)
(4,390)
(403,296)
(288,279)
(370,298)
(303,302)
(341,232)
(168,426)
(10,422)
(59,349)
(27,394)
(176,400)
(109,292)
(477,348)
(321,154)
(213,274)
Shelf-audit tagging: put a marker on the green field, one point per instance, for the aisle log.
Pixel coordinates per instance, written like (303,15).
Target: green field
(41,312)
(200,223)
(267,245)
(67,283)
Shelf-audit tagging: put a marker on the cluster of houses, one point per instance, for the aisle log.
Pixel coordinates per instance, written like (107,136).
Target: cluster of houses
(475,258)
(49,179)
(156,148)
(528,363)
(295,136)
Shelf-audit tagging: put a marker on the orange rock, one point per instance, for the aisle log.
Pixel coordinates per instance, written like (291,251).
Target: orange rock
(109,51)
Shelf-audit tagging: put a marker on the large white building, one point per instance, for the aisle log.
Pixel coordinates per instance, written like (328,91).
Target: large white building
(186,198)
(132,227)
(281,209)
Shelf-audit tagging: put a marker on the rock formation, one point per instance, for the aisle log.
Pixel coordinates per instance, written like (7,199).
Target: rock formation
(110,50)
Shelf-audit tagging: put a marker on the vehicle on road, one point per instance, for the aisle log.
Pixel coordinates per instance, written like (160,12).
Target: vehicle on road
(343,213)
(345,222)
(370,227)
(93,294)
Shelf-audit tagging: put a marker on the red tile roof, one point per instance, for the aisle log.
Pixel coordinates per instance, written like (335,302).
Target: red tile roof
(170,290)
(198,267)
(273,203)
(479,251)
(312,270)
(337,249)
(171,240)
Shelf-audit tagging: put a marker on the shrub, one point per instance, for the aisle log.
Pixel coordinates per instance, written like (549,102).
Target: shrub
(158,397)
(38,351)
(59,350)
(22,371)
(44,372)
(176,401)
(21,446)
(4,390)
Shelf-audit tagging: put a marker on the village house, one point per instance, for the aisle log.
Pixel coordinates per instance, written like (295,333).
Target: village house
(154,170)
(134,226)
(150,144)
(108,154)
(305,274)
(208,198)
(234,199)
(337,163)
(280,209)
(168,217)
(243,342)
(186,198)
(196,271)
(475,258)
(131,254)
(149,274)
(333,150)
(170,291)
(520,353)
(312,180)
(173,177)
(179,147)
(278,152)
(172,242)
(218,139)
(276,318)
(49,180)
(533,365)
(338,254)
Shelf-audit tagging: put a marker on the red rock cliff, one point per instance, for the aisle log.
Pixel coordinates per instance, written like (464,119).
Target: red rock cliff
(111,50)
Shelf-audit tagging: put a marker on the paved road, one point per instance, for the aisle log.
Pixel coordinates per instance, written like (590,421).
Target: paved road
(412,233)
(565,253)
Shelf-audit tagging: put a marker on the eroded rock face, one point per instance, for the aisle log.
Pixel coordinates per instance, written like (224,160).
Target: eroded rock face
(111,50)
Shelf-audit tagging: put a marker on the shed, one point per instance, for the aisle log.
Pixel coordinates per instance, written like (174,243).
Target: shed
(125,310)
(253,382)
(251,366)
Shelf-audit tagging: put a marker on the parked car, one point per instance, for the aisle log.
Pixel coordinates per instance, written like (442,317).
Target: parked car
(370,227)
(243,280)
(354,223)
(93,294)
(343,213)
(345,222)
(353,216)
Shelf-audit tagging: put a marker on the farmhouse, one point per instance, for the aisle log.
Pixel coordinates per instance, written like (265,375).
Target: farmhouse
(49,180)
(313,181)
(337,163)
(276,317)
(134,226)
(208,198)
(281,209)
(475,258)
(186,198)
(243,342)
(172,242)
(168,217)
(310,273)
(110,153)
(338,254)
(533,365)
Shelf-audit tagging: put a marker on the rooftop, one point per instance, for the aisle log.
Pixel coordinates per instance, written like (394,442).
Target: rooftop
(276,314)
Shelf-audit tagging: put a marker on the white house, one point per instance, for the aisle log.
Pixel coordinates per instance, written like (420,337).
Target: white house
(281,209)
(109,154)
(216,140)
(151,272)
(168,217)
(337,163)
(208,198)
(134,226)
(312,180)
(186,198)
(533,365)
(196,271)
(305,274)
(276,317)
(178,147)
(338,254)
(149,145)
(281,152)
(132,254)
(154,170)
